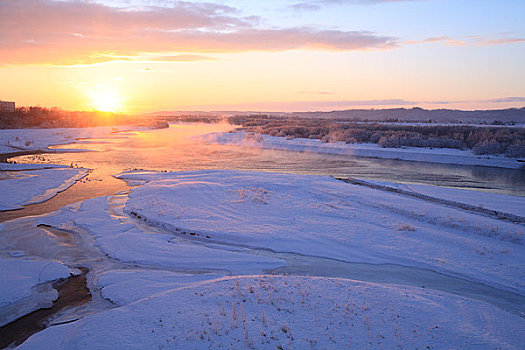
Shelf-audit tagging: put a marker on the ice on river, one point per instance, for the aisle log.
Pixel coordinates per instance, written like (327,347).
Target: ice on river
(15,140)
(321,216)
(35,186)
(185,259)
(22,290)
(122,239)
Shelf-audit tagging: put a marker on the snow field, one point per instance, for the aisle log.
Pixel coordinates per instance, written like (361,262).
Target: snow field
(269,312)
(120,238)
(165,253)
(504,203)
(323,217)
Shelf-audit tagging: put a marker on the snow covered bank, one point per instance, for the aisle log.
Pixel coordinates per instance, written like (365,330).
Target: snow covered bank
(36,183)
(36,186)
(164,255)
(14,140)
(122,239)
(431,155)
(321,216)
(22,291)
(124,287)
(492,201)
(267,312)
(18,167)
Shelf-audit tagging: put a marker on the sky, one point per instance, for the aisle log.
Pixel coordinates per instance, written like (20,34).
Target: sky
(140,56)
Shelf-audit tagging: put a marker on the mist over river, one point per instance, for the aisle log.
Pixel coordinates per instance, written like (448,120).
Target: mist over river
(174,149)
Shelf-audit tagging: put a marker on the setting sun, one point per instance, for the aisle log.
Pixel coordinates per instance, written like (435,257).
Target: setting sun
(106,100)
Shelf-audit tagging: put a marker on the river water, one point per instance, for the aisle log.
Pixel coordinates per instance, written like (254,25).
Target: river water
(174,149)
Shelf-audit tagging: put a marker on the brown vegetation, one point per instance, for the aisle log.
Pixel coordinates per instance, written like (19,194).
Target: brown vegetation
(489,139)
(39,117)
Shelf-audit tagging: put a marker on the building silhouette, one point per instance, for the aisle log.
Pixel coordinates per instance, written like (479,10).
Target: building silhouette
(6,106)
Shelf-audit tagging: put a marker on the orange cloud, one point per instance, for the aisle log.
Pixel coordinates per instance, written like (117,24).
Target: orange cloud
(67,33)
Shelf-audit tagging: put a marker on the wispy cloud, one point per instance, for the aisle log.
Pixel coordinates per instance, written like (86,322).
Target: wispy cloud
(175,58)
(471,40)
(318,4)
(382,102)
(85,32)
(500,41)
(507,99)
(100,59)
(329,105)
(309,105)
(315,92)
(500,100)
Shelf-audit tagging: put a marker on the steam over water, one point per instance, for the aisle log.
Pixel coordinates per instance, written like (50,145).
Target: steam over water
(174,149)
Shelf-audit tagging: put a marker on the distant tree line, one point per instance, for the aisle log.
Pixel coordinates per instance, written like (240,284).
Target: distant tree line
(39,117)
(193,118)
(509,141)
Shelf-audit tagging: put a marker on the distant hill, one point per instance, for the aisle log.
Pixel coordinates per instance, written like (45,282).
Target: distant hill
(419,114)
(516,115)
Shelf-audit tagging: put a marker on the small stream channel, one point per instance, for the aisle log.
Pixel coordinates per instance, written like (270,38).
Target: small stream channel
(72,292)
(96,184)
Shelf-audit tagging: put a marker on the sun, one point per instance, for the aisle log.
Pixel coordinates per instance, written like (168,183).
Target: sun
(106,100)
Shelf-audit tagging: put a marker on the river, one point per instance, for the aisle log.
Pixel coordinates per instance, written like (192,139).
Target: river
(173,149)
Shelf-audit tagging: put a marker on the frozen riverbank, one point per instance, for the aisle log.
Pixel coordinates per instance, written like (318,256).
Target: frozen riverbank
(15,140)
(491,203)
(35,186)
(325,217)
(23,285)
(431,155)
(185,259)
(267,312)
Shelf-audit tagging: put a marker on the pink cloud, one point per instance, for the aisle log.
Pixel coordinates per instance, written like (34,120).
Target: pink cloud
(53,32)
(318,4)
(469,40)
(500,41)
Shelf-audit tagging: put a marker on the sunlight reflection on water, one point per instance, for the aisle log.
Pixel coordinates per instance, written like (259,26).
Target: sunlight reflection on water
(174,149)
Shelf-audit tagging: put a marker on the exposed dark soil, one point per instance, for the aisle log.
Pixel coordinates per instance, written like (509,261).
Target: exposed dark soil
(5,156)
(72,291)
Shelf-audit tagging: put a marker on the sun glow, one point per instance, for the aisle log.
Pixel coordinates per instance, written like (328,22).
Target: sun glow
(105,100)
